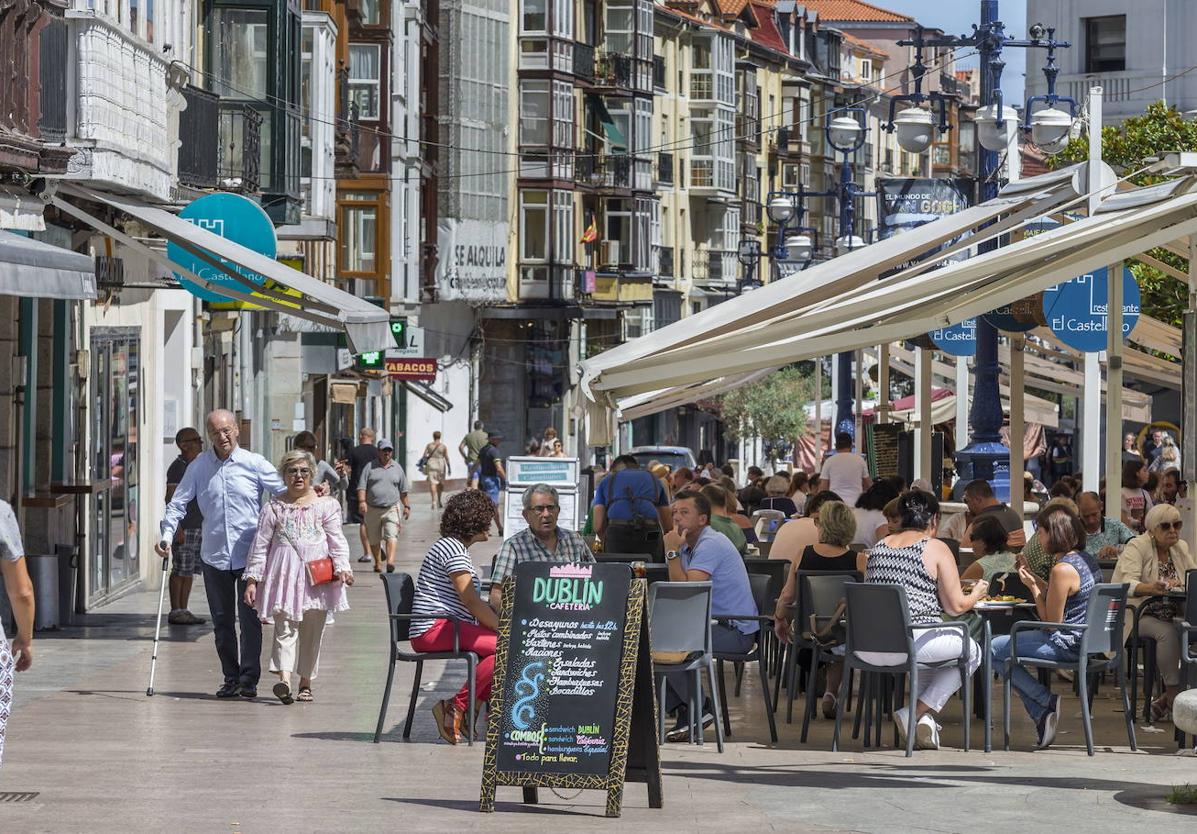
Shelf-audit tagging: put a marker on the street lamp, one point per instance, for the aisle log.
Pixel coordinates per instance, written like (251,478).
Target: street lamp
(914,124)
(1050,126)
(793,243)
(748,254)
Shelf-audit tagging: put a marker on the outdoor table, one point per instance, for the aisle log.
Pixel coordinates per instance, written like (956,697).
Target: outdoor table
(988,612)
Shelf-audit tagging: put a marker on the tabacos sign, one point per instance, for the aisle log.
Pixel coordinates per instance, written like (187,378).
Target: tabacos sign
(419,369)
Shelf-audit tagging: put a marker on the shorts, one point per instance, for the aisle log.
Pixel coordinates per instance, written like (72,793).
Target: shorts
(382,523)
(490,485)
(185,555)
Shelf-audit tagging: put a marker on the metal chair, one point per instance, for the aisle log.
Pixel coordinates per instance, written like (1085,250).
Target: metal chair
(761,585)
(401,592)
(776,570)
(1188,635)
(680,636)
(1100,650)
(820,595)
(882,624)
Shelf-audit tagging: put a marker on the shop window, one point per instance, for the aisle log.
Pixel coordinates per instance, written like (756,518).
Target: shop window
(365,74)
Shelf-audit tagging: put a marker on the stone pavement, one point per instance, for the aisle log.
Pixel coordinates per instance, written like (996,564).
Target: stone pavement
(103,757)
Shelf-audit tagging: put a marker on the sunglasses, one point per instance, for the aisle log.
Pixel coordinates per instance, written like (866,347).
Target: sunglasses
(1169,526)
(301,471)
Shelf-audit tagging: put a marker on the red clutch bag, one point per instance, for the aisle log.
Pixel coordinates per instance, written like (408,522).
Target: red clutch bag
(321,571)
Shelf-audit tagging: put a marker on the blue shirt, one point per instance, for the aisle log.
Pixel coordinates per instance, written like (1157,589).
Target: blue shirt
(731,592)
(229,494)
(629,493)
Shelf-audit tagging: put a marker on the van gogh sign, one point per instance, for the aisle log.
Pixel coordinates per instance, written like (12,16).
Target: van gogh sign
(1076,310)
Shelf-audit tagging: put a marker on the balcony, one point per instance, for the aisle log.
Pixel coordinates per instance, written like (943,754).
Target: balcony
(198,146)
(613,71)
(603,171)
(665,168)
(659,73)
(239,154)
(347,143)
(713,266)
(584,61)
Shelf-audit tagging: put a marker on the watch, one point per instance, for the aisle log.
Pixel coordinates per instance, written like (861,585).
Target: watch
(670,555)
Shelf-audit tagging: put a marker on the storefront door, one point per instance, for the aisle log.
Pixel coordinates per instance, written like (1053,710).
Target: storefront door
(115,414)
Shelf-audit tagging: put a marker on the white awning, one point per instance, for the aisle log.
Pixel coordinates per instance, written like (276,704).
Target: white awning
(35,269)
(366,325)
(655,402)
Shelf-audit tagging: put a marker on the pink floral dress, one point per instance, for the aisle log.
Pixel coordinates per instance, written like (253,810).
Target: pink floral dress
(289,535)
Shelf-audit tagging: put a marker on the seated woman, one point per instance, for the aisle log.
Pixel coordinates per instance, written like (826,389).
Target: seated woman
(777,496)
(990,542)
(1151,564)
(836,526)
(924,566)
(1063,598)
(871,523)
(446,587)
(793,536)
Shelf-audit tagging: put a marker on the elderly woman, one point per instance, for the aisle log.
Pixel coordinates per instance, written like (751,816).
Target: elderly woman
(1063,598)
(1152,564)
(20,595)
(925,567)
(446,587)
(297,528)
(777,495)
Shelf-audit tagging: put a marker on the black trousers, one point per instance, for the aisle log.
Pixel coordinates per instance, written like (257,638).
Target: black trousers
(240,661)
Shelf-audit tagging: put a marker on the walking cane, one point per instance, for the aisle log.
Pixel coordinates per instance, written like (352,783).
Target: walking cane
(149,690)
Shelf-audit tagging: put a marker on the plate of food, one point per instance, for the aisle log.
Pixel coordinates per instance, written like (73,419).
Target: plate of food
(1000,601)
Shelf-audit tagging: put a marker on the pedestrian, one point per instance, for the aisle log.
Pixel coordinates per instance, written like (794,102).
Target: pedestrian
(185,559)
(549,444)
(335,479)
(631,510)
(491,474)
(469,447)
(20,596)
(436,468)
(448,613)
(296,530)
(381,489)
(845,473)
(558,450)
(227,482)
(360,456)
(542,541)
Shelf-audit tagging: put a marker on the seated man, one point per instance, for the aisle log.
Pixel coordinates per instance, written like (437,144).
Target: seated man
(707,555)
(542,541)
(1104,537)
(979,498)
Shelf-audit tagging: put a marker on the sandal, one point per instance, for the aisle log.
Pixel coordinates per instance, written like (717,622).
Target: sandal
(305,694)
(448,721)
(283,692)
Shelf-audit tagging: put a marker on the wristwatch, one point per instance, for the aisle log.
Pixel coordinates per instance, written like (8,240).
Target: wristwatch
(670,555)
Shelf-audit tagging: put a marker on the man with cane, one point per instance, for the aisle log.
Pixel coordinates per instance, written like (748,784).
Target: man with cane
(227,482)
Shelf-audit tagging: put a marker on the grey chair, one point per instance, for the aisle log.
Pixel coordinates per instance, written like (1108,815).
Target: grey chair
(1188,635)
(401,592)
(759,653)
(1100,650)
(819,597)
(881,623)
(680,625)
(776,570)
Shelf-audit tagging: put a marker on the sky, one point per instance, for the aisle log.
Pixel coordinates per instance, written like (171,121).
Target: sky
(956,17)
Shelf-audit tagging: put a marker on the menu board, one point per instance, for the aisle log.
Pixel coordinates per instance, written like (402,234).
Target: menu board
(882,445)
(570,657)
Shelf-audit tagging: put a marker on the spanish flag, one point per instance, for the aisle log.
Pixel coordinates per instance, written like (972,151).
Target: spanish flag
(591,233)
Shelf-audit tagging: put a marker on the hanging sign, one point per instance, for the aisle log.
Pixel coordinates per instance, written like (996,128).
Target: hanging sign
(1076,310)
(234,218)
(957,340)
(422,369)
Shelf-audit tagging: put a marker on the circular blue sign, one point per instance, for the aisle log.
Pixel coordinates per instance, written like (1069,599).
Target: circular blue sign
(1014,318)
(1076,310)
(235,218)
(957,340)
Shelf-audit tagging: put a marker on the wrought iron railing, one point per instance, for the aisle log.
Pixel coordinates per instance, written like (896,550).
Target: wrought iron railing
(198,147)
(612,69)
(53,67)
(659,72)
(239,158)
(603,171)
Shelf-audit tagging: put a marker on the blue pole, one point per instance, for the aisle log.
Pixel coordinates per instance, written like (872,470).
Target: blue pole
(845,419)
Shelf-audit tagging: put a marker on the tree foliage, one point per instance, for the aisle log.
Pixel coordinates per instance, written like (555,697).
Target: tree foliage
(1127,147)
(772,409)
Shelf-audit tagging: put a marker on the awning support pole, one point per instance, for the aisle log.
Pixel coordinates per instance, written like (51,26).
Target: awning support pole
(1017,430)
(1188,398)
(961,401)
(883,406)
(1091,408)
(1113,469)
(859,398)
(922,394)
(818,414)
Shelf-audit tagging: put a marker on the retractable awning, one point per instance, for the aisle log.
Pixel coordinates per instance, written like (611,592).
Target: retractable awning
(34,269)
(366,326)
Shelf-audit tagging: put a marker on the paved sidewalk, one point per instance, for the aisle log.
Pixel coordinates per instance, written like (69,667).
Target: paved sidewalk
(103,757)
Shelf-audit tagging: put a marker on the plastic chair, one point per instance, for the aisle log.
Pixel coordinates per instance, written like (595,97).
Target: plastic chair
(401,593)
(765,524)
(820,595)
(680,625)
(1100,651)
(776,570)
(1188,635)
(882,624)
(761,584)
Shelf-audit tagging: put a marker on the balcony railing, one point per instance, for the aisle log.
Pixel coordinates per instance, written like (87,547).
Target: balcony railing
(603,171)
(239,159)
(54,64)
(612,69)
(710,266)
(584,61)
(665,168)
(659,72)
(198,148)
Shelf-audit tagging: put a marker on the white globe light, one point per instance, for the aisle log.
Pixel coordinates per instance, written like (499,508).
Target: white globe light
(914,128)
(844,131)
(848,243)
(993,133)
(1050,127)
(798,247)
(781,209)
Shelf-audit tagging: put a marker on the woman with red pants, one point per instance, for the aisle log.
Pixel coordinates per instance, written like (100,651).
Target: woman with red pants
(446,587)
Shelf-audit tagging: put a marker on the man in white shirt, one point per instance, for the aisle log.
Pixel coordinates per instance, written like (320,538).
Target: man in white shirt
(845,473)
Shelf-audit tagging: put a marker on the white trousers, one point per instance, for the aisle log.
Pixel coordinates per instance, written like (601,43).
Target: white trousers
(303,659)
(933,645)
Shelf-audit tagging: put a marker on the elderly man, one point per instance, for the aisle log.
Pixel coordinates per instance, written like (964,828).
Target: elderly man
(381,488)
(708,556)
(227,483)
(979,498)
(542,541)
(1104,537)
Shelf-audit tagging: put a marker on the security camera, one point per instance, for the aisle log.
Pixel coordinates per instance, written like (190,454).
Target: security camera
(1037,31)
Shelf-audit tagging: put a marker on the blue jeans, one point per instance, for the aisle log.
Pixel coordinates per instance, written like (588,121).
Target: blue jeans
(1035,696)
(490,485)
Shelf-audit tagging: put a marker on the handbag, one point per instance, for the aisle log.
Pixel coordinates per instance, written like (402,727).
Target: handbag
(320,571)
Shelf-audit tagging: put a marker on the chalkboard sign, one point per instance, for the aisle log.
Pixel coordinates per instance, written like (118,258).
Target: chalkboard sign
(572,659)
(881,444)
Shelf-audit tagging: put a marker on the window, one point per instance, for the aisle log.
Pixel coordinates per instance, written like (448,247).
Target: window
(1105,43)
(535,16)
(365,73)
(239,49)
(563,227)
(534,113)
(866,70)
(534,226)
(563,114)
(371,12)
(359,232)
(621,26)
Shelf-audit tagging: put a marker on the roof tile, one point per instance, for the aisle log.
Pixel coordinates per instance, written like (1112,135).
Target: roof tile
(854,11)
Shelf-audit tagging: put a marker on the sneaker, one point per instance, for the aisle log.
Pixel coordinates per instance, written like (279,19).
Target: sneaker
(681,730)
(926,733)
(902,721)
(366,558)
(247,691)
(228,690)
(184,617)
(1047,725)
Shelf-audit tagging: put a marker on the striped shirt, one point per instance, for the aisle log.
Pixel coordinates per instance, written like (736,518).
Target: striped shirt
(436,595)
(904,566)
